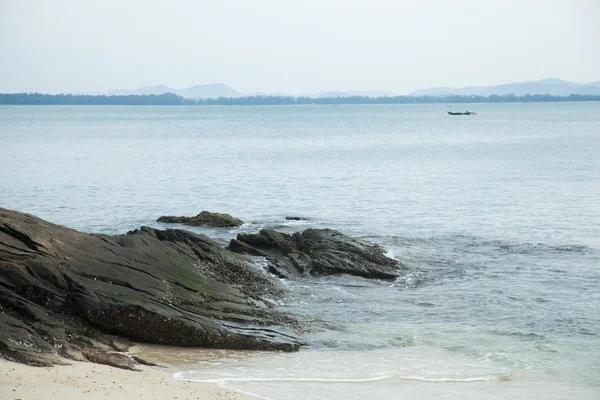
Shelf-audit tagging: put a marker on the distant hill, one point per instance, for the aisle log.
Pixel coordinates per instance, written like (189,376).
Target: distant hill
(212,91)
(216,90)
(554,87)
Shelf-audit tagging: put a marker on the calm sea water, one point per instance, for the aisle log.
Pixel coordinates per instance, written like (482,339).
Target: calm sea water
(496,215)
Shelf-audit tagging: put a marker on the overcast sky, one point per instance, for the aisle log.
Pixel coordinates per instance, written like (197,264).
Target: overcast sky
(294,46)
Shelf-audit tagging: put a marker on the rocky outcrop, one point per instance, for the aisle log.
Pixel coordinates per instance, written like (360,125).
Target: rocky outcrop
(316,252)
(205,218)
(72,294)
(292,218)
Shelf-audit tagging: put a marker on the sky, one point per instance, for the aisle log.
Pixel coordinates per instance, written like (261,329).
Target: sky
(294,46)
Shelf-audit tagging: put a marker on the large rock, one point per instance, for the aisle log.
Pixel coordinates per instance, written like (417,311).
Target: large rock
(67,293)
(316,252)
(205,218)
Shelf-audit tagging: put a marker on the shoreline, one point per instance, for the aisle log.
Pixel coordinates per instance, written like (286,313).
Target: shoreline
(95,381)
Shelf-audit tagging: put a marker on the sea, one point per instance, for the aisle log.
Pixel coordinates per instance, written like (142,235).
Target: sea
(497,216)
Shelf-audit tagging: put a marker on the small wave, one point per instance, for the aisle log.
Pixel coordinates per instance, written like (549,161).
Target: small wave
(180,376)
(530,248)
(472,379)
(222,381)
(389,253)
(577,247)
(475,242)
(426,304)
(409,281)
(520,335)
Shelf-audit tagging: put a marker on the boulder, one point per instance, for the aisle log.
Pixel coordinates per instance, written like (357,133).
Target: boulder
(317,252)
(205,218)
(296,218)
(76,295)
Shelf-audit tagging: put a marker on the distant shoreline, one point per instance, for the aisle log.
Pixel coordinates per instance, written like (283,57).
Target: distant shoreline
(170,99)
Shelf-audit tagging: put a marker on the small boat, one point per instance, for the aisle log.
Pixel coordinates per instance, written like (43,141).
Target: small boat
(460,113)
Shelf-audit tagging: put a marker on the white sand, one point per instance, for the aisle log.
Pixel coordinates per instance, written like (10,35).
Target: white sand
(92,381)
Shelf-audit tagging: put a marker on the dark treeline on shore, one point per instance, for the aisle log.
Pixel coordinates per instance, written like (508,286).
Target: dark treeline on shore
(169,99)
(84,99)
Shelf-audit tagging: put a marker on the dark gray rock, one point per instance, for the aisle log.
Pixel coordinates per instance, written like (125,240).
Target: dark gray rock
(317,252)
(111,358)
(205,218)
(296,218)
(72,294)
(143,361)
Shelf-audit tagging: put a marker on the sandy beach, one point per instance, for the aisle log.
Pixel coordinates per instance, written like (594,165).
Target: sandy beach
(93,381)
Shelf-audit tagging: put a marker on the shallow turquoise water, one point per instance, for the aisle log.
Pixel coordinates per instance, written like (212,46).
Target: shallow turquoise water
(496,214)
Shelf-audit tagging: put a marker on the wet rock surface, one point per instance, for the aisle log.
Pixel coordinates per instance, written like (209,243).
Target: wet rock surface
(87,297)
(317,252)
(205,218)
(76,295)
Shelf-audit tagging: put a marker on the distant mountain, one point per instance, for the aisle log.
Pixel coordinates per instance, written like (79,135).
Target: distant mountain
(554,87)
(213,91)
(217,90)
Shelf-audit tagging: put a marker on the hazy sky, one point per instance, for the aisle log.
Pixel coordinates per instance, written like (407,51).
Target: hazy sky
(294,46)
